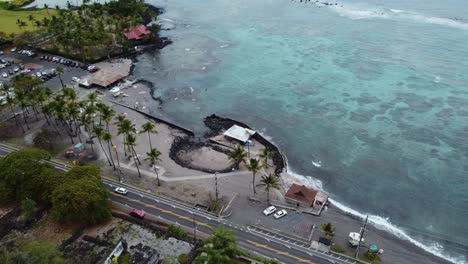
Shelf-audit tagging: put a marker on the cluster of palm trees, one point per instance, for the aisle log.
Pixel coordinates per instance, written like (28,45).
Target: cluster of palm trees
(80,119)
(90,31)
(238,156)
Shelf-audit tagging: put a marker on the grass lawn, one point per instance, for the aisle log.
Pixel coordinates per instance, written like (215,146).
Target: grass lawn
(8,19)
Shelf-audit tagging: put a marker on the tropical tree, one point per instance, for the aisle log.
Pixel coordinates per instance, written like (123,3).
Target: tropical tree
(148,127)
(107,136)
(265,155)
(99,131)
(125,128)
(253,166)
(153,156)
(237,155)
(270,182)
(84,200)
(60,71)
(328,228)
(221,247)
(131,143)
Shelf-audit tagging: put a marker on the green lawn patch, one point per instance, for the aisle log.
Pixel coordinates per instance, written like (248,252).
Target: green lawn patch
(8,19)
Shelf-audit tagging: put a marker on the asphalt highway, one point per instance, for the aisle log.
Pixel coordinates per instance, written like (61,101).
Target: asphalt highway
(192,217)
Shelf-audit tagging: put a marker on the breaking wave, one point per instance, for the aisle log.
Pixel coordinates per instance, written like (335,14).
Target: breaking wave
(396,14)
(381,223)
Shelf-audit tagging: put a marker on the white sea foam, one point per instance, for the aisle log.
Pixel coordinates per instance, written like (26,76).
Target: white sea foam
(377,221)
(395,14)
(317,164)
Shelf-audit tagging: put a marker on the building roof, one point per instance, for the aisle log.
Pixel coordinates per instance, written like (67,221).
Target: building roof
(136,32)
(301,194)
(240,133)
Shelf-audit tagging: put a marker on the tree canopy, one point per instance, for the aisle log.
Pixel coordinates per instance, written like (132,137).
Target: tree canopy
(83,200)
(219,248)
(23,175)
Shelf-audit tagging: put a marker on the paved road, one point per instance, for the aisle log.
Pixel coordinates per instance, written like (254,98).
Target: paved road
(190,217)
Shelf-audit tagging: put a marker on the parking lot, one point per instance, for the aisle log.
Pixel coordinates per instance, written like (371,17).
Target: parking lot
(13,62)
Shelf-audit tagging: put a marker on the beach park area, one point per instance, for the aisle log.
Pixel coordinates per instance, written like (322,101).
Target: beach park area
(198,170)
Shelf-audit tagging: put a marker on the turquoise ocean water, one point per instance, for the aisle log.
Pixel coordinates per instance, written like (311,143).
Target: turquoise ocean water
(367,98)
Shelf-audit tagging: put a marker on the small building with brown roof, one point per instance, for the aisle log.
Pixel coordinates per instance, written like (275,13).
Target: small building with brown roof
(136,32)
(301,195)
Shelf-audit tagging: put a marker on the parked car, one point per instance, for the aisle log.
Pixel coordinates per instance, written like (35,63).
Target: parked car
(121,190)
(1,52)
(138,213)
(2,66)
(93,70)
(75,79)
(269,210)
(13,49)
(280,213)
(91,67)
(16,69)
(38,74)
(4,75)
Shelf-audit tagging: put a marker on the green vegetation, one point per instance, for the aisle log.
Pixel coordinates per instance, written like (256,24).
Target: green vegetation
(271,182)
(328,229)
(237,155)
(28,207)
(176,231)
(219,248)
(37,252)
(254,166)
(75,196)
(9,20)
(124,258)
(183,259)
(334,247)
(44,140)
(265,155)
(370,256)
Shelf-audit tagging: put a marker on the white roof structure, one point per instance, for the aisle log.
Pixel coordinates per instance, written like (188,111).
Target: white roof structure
(239,133)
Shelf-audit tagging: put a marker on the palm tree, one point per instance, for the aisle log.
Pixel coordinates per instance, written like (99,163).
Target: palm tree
(237,155)
(270,182)
(107,136)
(266,155)
(99,131)
(106,115)
(125,128)
(153,156)
(59,71)
(131,143)
(148,127)
(254,167)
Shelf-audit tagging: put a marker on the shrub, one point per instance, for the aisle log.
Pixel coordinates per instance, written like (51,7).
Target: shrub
(176,231)
(183,259)
(28,207)
(371,256)
(334,247)
(44,140)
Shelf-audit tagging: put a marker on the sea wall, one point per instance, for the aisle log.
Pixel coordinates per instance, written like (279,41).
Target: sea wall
(218,124)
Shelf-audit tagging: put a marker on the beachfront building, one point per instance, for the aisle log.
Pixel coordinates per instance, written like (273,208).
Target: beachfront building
(136,32)
(239,133)
(300,195)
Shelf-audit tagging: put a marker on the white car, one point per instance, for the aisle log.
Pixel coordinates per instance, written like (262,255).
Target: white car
(38,74)
(92,67)
(269,210)
(4,75)
(16,69)
(280,214)
(13,49)
(75,79)
(115,89)
(121,190)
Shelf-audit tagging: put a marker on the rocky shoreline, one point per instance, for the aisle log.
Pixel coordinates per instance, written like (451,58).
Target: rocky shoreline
(218,124)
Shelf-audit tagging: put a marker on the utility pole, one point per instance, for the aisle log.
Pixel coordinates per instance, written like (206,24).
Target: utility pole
(361,236)
(216,186)
(194,228)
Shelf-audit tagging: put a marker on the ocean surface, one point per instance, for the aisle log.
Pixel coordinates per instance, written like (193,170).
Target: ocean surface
(368,99)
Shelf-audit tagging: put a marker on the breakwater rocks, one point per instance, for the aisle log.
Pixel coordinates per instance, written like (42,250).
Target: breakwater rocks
(218,124)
